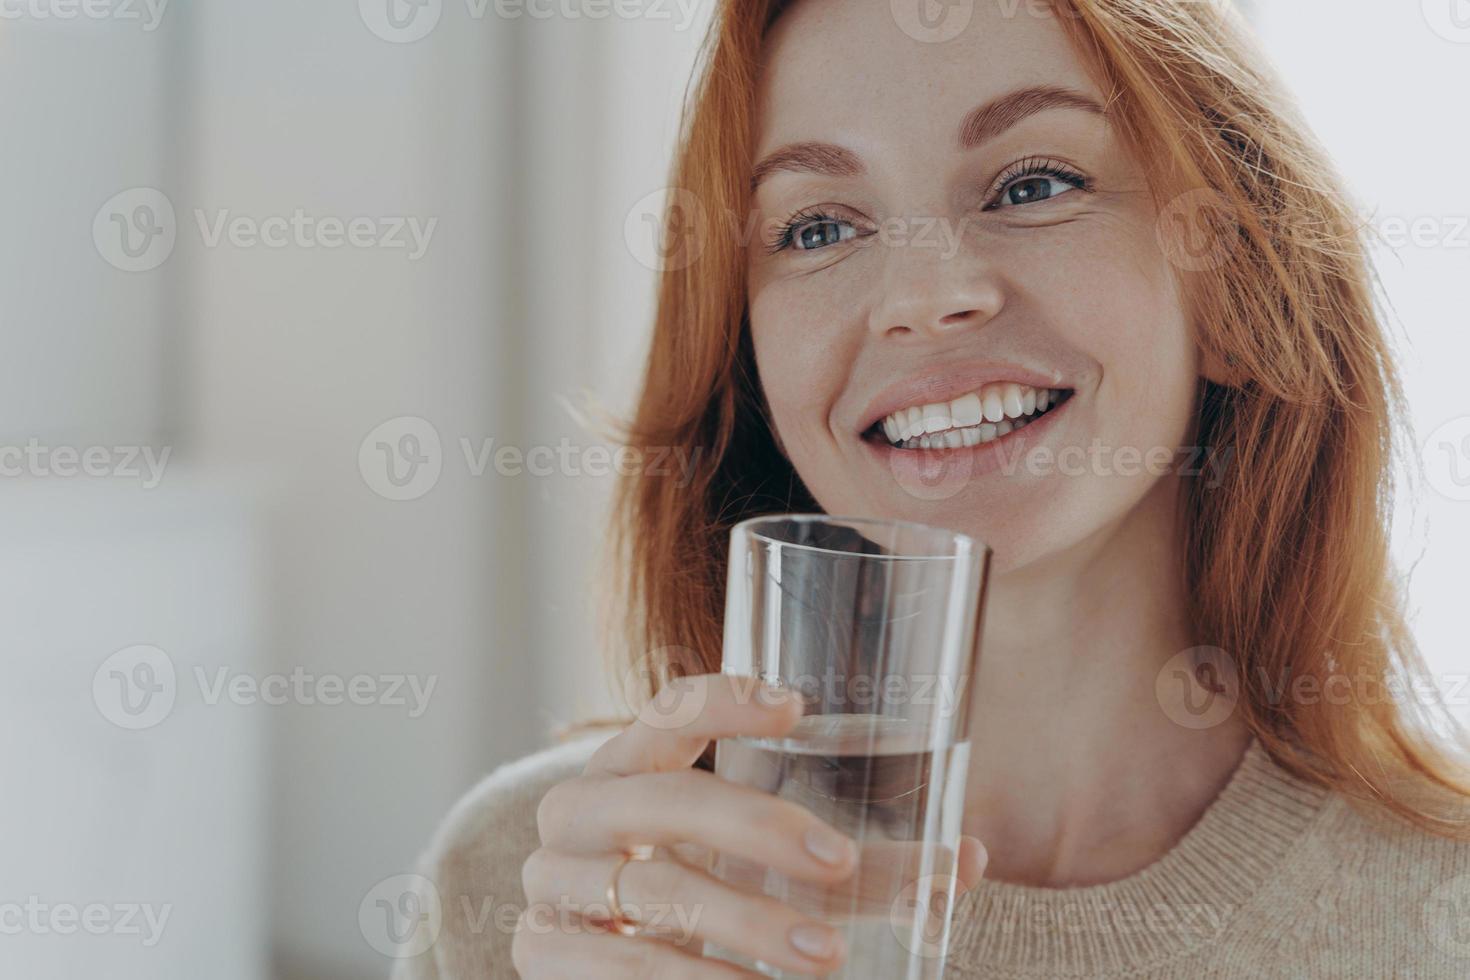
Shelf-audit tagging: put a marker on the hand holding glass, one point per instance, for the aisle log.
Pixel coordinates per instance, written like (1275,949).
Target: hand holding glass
(875,624)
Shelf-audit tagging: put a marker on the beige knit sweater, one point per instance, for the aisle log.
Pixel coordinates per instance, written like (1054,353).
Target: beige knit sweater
(1277,879)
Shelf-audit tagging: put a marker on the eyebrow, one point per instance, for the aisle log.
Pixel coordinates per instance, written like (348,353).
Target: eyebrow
(981,124)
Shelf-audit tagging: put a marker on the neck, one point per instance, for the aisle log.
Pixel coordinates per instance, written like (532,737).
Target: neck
(1078,776)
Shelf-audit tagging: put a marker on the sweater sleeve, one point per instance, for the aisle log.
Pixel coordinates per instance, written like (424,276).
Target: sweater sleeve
(469,879)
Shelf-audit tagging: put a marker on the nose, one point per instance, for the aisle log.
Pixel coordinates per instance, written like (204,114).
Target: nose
(927,292)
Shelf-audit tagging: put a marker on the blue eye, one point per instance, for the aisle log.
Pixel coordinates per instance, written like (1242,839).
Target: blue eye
(1037,180)
(819,234)
(1032,189)
(807,231)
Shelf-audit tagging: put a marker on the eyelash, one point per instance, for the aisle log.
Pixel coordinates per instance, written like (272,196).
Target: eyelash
(785,235)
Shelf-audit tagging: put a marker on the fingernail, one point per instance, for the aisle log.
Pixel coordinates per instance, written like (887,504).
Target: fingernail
(817,942)
(828,846)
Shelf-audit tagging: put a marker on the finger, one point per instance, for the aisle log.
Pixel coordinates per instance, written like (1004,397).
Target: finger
(676,725)
(612,814)
(584,950)
(673,901)
(927,900)
(887,872)
(915,859)
(973,860)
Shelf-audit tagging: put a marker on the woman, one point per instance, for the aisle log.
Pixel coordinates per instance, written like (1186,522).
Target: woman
(1074,279)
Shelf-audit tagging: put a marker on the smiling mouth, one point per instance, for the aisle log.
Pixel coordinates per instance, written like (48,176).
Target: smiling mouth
(974,419)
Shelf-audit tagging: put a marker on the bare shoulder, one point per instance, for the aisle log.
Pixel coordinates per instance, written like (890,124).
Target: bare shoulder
(471,871)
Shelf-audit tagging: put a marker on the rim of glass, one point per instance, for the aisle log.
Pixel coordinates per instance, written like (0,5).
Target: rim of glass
(965,546)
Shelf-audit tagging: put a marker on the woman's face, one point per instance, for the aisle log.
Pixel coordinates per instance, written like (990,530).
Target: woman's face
(959,255)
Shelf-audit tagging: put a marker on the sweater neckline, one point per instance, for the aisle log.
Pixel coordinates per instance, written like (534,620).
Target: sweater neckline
(1172,907)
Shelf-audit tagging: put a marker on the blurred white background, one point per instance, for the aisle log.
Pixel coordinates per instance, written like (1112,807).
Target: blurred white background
(285,289)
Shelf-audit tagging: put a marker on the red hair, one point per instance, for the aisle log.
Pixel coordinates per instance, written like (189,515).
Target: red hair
(1287,562)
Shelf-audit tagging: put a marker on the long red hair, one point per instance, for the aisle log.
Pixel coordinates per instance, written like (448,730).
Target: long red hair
(1287,562)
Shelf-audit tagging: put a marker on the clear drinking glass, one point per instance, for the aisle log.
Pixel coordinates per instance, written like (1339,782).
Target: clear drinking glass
(876,623)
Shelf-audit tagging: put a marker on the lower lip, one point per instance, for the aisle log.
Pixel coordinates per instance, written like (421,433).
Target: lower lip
(979,460)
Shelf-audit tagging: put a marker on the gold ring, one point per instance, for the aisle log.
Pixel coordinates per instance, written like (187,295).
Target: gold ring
(619,922)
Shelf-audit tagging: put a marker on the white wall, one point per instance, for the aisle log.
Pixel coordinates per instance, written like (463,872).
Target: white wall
(528,140)
(271,375)
(103,820)
(86,114)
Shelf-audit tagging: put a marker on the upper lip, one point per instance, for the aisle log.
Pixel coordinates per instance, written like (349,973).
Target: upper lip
(950,382)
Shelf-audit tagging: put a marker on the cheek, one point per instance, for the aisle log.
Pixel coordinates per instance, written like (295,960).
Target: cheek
(1115,297)
(804,348)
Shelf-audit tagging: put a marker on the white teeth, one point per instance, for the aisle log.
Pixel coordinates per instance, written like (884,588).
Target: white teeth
(915,422)
(1011,397)
(988,413)
(936,418)
(994,405)
(967,410)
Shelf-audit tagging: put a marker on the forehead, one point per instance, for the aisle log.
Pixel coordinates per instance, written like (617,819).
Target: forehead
(864,74)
